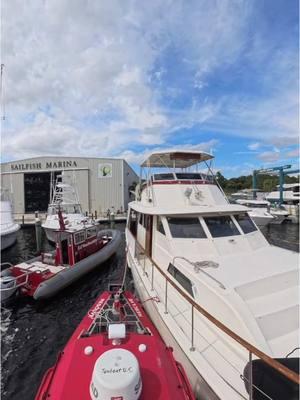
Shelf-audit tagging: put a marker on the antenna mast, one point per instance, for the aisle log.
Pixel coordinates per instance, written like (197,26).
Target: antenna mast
(2,95)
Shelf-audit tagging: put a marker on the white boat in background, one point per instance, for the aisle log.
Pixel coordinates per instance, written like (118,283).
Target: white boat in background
(66,198)
(8,227)
(262,213)
(217,291)
(291,199)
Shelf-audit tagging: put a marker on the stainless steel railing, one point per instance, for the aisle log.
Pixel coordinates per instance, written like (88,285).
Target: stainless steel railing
(141,257)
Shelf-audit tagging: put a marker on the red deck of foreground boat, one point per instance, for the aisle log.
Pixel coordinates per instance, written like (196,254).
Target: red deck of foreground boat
(99,361)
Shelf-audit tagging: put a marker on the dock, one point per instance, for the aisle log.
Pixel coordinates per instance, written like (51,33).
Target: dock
(27,220)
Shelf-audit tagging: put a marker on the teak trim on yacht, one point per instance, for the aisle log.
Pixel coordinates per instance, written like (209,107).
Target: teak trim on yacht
(291,375)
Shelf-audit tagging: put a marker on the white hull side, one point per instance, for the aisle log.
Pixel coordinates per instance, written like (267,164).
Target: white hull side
(278,219)
(8,240)
(200,387)
(261,220)
(50,234)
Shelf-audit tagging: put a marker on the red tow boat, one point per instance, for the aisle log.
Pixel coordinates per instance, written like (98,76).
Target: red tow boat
(116,353)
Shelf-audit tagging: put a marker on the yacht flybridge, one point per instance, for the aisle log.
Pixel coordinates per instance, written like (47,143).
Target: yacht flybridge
(217,291)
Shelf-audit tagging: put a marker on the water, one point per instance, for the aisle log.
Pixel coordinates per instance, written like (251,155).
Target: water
(34,332)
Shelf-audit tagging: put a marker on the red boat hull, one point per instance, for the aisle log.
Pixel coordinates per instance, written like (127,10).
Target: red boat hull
(70,378)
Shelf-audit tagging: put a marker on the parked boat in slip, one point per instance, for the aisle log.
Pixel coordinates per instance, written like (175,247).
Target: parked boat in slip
(8,228)
(225,295)
(77,252)
(116,353)
(65,197)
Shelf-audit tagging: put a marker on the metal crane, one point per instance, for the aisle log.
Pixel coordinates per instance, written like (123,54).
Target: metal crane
(281,171)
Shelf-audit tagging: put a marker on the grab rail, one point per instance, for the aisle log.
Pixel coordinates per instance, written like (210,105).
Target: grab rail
(291,375)
(15,280)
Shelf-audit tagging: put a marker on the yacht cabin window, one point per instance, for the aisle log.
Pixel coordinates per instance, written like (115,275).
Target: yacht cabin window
(79,237)
(188,175)
(189,228)
(221,226)
(132,221)
(159,225)
(181,279)
(245,223)
(163,177)
(91,232)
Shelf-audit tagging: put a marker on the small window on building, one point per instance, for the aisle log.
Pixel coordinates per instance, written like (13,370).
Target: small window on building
(245,223)
(221,226)
(91,232)
(181,279)
(159,226)
(79,237)
(186,228)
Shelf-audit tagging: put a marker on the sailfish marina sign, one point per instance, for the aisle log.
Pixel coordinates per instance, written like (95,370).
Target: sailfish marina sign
(44,165)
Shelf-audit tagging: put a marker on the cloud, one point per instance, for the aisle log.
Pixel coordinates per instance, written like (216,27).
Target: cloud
(254,146)
(269,156)
(115,77)
(293,153)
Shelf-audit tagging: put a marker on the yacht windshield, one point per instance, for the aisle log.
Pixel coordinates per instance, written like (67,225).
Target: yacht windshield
(163,177)
(186,228)
(188,175)
(221,226)
(245,223)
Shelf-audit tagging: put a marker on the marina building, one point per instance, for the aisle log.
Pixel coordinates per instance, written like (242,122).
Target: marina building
(101,183)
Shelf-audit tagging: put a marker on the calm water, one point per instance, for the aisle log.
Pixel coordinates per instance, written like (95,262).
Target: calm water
(34,332)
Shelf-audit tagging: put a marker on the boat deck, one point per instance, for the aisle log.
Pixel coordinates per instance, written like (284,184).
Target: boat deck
(39,266)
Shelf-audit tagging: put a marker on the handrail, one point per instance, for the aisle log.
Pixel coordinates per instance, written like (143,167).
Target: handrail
(16,278)
(291,375)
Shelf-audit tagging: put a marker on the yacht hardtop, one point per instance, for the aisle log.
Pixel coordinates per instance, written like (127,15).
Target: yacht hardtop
(184,224)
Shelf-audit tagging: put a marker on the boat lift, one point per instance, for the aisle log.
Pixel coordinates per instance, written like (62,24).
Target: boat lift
(282,172)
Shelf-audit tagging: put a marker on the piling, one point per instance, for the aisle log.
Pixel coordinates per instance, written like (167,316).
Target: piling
(38,231)
(112,220)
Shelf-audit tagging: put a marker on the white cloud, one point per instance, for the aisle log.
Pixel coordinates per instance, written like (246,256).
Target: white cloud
(254,146)
(95,78)
(293,153)
(269,156)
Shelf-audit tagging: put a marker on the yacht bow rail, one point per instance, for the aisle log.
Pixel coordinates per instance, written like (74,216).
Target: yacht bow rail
(252,350)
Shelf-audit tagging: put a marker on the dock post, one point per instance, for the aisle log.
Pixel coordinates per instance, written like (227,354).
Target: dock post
(96,214)
(112,220)
(38,231)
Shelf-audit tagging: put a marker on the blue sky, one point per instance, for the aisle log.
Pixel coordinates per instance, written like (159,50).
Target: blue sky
(124,78)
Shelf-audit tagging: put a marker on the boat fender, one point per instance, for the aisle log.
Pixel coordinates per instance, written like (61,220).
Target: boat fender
(271,382)
(116,374)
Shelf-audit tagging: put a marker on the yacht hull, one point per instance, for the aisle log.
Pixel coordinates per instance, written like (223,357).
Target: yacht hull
(199,385)
(8,239)
(50,234)
(261,220)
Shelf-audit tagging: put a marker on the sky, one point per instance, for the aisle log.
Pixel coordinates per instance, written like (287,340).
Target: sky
(124,78)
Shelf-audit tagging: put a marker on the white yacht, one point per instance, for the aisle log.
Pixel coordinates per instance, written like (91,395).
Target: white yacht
(262,213)
(8,228)
(66,198)
(217,291)
(291,199)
